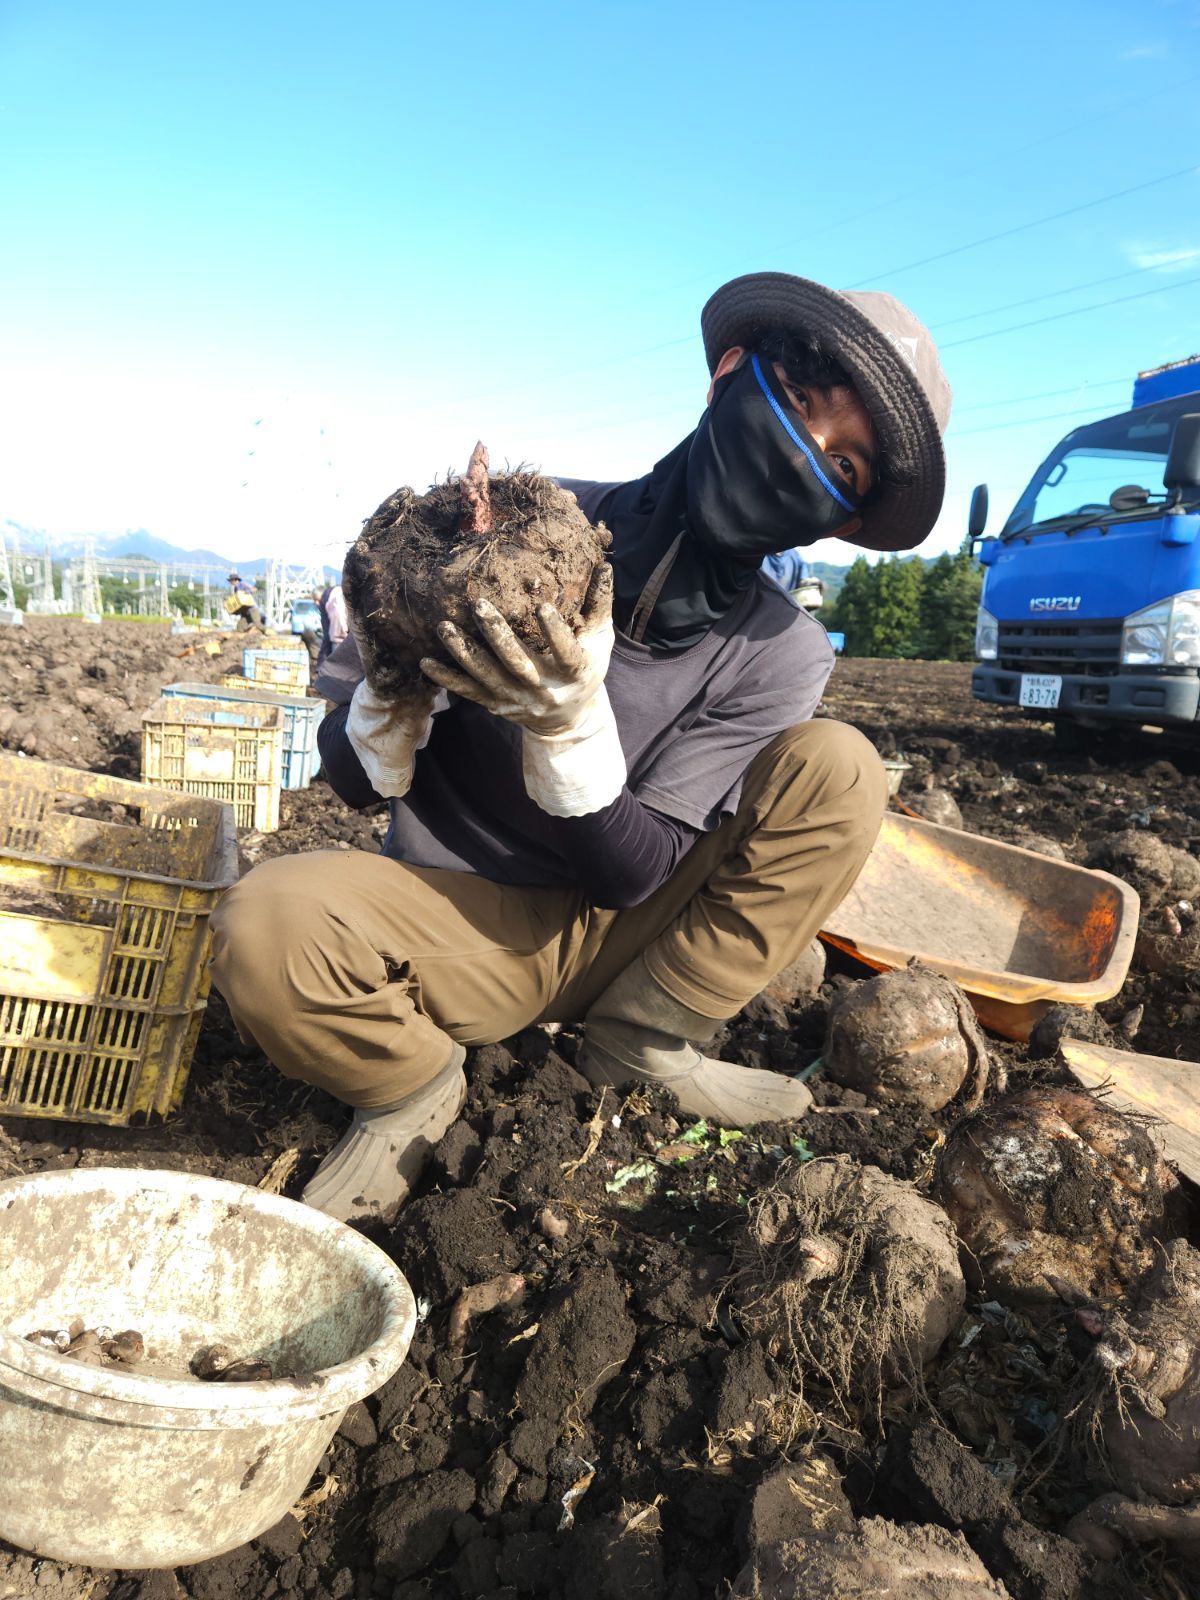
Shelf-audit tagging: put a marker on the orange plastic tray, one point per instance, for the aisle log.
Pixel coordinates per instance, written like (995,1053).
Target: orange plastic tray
(1018,931)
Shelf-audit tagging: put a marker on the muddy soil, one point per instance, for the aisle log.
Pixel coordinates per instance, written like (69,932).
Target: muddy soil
(75,692)
(615,1430)
(416,563)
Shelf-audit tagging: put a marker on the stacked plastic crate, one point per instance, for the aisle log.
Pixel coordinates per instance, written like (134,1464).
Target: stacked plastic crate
(220,749)
(106,888)
(301,719)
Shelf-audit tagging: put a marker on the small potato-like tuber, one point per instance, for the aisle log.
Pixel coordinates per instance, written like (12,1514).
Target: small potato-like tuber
(1104,1527)
(1150,1370)
(878,1561)
(1052,1185)
(851,1277)
(908,1037)
(476,1300)
(935,805)
(211,1361)
(127,1346)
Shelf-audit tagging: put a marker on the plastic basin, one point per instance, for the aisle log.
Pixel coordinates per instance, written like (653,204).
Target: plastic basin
(128,1468)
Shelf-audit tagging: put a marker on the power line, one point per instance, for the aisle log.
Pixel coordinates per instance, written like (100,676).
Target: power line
(558,376)
(1024,227)
(942,181)
(1024,422)
(1077,311)
(1053,294)
(1044,394)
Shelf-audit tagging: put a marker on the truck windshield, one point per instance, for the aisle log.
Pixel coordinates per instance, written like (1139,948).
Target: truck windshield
(1081,473)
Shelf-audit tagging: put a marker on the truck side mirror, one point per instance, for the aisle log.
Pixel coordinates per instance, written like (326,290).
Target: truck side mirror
(1182,470)
(978,514)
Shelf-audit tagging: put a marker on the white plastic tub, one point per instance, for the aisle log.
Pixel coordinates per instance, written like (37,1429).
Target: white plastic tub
(119,1468)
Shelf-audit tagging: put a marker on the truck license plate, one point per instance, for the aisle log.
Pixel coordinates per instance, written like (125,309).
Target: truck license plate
(1042,692)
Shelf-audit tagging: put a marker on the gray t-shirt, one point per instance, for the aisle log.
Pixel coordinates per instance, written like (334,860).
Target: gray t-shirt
(690,723)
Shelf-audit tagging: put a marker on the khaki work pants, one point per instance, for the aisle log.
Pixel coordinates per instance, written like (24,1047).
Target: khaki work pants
(352,971)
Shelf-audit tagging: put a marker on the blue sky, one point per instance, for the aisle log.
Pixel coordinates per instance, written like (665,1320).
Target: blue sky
(263,263)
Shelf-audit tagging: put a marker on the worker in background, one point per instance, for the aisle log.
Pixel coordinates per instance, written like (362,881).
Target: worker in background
(637,826)
(334,621)
(242,603)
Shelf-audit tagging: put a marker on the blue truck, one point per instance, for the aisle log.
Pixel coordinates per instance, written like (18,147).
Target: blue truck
(1090,608)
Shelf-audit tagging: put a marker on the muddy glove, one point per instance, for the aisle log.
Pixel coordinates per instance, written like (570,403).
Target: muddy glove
(386,734)
(571,754)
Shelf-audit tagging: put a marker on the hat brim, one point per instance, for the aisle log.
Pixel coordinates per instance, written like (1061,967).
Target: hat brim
(902,512)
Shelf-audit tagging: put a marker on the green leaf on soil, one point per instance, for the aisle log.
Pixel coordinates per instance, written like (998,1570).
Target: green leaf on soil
(801,1150)
(627,1175)
(730,1136)
(696,1134)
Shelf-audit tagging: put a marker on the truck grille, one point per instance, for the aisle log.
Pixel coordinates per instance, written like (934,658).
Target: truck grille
(1079,647)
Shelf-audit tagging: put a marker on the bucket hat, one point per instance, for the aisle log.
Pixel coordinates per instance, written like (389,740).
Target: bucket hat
(893,362)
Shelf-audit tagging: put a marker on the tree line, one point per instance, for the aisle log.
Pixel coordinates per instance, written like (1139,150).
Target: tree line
(910,608)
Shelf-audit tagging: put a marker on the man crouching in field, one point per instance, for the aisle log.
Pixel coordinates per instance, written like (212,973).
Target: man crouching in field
(639,826)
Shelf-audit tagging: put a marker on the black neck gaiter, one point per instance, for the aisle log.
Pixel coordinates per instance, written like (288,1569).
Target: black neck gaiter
(749,482)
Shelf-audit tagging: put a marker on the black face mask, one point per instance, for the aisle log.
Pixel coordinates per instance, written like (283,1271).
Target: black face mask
(757,482)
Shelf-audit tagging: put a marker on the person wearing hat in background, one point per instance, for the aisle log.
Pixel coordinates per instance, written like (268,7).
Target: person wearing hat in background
(641,825)
(241,602)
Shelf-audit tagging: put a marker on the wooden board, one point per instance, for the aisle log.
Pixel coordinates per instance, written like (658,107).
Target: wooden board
(1158,1085)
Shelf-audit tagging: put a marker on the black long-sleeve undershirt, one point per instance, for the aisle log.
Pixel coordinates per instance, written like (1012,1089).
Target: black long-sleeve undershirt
(616,857)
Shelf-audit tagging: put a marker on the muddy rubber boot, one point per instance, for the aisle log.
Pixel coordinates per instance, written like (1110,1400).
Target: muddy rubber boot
(372,1168)
(637,1034)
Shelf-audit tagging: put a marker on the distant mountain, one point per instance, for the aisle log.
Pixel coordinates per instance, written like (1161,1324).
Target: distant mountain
(133,542)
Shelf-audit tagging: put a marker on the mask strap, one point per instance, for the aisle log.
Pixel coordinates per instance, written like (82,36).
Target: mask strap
(649,596)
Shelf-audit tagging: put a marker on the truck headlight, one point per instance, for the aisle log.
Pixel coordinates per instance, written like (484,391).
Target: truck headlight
(1166,634)
(987,636)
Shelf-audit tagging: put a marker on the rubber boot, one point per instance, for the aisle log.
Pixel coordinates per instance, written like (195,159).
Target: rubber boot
(372,1168)
(636,1033)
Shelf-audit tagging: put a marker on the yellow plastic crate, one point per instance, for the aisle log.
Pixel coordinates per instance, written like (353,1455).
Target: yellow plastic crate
(103,940)
(221,749)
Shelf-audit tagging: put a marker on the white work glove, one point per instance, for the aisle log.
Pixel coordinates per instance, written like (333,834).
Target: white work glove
(386,734)
(571,754)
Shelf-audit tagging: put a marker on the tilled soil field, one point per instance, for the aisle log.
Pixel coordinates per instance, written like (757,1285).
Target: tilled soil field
(614,1426)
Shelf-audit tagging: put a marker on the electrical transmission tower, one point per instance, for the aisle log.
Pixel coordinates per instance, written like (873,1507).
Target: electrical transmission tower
(88,597)
(286,584)
(8,595)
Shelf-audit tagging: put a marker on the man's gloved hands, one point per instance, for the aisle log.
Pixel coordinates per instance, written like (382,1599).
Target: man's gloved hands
(386,734)
(572,759)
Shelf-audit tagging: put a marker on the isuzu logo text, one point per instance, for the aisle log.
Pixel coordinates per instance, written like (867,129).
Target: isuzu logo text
(1055,602)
